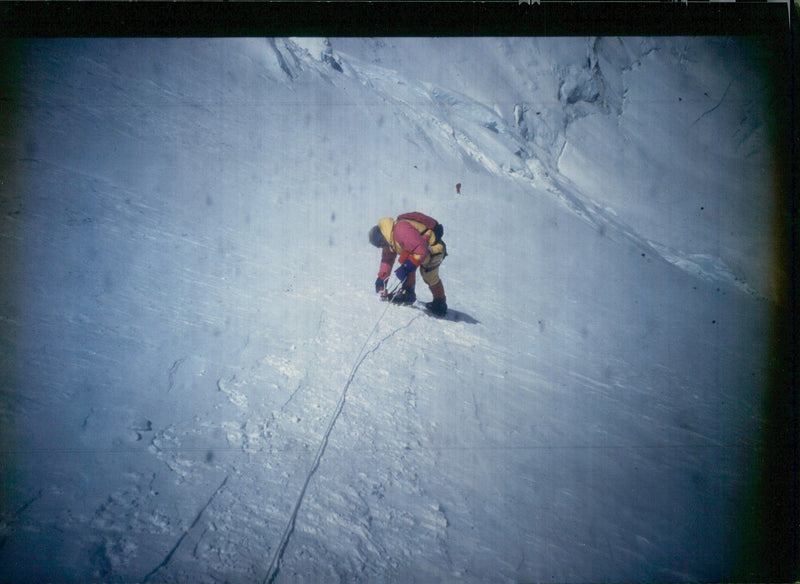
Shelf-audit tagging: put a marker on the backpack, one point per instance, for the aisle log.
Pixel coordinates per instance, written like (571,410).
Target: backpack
(430,223)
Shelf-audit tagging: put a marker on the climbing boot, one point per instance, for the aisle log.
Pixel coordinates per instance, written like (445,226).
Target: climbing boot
(405,297)
(438,306)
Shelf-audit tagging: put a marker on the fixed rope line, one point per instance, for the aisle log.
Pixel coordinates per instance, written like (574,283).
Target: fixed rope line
(274,566)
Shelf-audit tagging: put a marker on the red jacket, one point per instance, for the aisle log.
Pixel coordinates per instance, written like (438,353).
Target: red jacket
(410,236)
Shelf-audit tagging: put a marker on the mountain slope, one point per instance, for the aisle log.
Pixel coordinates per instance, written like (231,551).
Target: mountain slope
(203,386)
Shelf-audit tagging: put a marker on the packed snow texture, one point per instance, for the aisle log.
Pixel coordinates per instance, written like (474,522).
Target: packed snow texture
(199,384)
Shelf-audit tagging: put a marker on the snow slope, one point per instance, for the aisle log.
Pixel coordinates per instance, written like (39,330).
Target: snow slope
(200,385)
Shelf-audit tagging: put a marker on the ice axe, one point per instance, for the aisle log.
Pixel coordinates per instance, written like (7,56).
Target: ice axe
(388,293)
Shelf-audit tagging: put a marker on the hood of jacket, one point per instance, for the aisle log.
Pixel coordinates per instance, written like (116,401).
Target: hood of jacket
(386,225)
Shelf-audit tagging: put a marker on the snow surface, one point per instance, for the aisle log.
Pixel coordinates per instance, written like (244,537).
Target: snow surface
(198,383)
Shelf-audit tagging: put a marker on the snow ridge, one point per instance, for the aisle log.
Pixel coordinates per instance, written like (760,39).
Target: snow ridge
(521,146)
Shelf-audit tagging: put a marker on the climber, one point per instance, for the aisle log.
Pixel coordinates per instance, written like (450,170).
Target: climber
(417,239)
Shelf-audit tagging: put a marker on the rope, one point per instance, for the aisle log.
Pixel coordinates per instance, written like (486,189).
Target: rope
(274,566)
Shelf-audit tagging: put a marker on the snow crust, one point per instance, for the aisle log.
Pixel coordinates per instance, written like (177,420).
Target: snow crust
(192,351)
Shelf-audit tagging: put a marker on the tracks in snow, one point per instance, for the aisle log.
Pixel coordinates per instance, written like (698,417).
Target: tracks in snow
(274,567)
(168,557)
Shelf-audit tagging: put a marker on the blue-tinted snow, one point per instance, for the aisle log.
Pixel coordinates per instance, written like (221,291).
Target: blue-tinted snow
(188,286)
